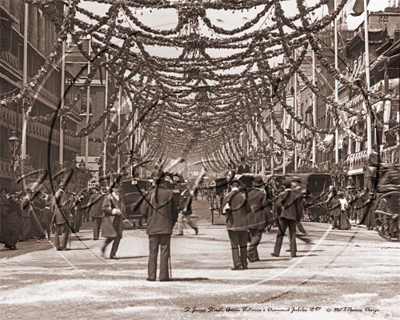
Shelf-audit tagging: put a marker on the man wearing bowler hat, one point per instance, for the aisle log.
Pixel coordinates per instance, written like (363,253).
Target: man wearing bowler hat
(256,219)
(292,209)
(236,207)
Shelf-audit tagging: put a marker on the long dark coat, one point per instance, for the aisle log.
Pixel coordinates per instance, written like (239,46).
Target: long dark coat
(236,218)
(112,225)
(292,205)
(10,223)
(161,214)
(334,207)
(257,218)
(95,205)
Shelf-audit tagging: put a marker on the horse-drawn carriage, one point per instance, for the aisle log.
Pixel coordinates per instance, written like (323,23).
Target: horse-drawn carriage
(314,185)
(134,189)
(385,208)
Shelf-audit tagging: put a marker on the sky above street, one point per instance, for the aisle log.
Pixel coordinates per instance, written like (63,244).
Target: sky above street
(167,19)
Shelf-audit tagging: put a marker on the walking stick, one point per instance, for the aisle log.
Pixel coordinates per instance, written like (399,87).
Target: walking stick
(170,269)
(69,238)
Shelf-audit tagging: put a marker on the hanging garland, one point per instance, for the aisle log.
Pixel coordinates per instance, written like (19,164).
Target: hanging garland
(209,99)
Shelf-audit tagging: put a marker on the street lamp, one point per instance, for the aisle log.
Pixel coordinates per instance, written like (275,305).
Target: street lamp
(13,144)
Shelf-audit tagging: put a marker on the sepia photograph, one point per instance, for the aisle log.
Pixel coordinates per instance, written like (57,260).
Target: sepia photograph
(199,159)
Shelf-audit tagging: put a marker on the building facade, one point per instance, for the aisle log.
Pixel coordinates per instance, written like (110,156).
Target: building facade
(41,37)
(384,50)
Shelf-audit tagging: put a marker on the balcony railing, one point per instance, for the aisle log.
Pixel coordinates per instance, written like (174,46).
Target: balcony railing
(37,130)
(10,59)
(357,159)
(47,95)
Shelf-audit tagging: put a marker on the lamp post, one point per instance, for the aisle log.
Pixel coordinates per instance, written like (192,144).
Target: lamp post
(13,144)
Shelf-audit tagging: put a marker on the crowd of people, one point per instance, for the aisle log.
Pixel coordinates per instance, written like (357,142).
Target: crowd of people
(348,206)
(248,212)
(27,215)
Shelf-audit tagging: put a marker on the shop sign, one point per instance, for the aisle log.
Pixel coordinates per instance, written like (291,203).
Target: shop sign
(355,171)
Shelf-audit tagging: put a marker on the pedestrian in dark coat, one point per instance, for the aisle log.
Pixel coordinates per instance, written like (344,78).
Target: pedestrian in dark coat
(95,207)
(9,222)
(292,211)
(26,211)
(112,227)
(161,211)
(36,230)
(369,215)
(236,207)
(256,219)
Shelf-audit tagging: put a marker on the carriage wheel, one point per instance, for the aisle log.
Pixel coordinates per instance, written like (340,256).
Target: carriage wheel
(386,216)
(324,218)
(307,213)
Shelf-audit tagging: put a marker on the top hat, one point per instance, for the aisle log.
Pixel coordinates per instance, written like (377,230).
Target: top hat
(258,182)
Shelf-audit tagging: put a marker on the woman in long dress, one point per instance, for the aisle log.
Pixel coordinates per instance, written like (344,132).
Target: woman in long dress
(10,223)
(333,204)
(344,223)
(370,214)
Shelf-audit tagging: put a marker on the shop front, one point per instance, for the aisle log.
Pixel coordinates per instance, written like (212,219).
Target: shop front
(356,178)
(356,174)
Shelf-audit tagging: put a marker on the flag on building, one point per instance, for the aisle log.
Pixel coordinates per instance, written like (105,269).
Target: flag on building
(354,7)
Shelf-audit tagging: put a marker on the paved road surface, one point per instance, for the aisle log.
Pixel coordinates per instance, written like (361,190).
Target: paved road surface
(353,269)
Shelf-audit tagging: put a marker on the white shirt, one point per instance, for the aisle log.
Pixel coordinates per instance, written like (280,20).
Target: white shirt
(227,206)
(344,204)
